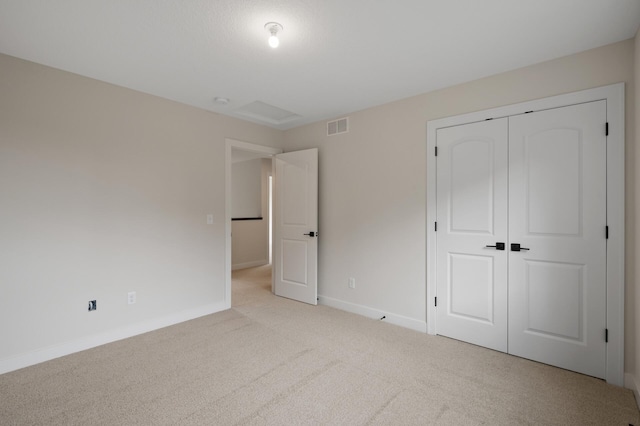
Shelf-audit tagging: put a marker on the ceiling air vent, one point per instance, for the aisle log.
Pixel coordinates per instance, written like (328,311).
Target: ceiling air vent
(338,126)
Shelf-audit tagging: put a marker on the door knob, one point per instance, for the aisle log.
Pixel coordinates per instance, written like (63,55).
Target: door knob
(516,247)
(312,234)
(498,246)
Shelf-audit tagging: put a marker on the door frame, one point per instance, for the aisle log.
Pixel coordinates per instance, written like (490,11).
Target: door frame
(614,95)
(231,144)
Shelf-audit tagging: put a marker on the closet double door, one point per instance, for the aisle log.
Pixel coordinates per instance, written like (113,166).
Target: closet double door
(521,238)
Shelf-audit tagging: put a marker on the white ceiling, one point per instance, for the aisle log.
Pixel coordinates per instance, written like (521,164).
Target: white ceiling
(335,56)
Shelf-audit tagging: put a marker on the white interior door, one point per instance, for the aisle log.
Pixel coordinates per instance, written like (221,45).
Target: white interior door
(295,254)
(544,297)
(557,206)
(472,233)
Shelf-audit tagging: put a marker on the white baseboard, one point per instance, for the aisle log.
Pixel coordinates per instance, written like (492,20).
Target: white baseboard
(366,311)
(45,354)
(630,383)
(249,264)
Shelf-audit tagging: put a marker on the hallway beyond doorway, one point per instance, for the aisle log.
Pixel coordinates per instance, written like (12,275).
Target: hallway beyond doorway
(251,286)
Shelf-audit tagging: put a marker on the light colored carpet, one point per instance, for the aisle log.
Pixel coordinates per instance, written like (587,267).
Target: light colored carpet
(278,362)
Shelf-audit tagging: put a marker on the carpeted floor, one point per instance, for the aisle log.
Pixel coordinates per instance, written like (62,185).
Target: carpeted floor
(274,361)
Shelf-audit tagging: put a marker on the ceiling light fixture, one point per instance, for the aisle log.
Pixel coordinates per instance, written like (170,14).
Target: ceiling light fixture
(273,28)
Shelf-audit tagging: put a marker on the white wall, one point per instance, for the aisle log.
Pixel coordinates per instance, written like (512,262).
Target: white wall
(246,189)
(373,182)
(250,242)
(104,191)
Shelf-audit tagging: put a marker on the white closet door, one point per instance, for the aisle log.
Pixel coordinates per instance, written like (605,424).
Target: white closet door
(472,215)
(557,211)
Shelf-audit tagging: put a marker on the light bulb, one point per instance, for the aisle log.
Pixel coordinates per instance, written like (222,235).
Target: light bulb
(273,28)
(273,41)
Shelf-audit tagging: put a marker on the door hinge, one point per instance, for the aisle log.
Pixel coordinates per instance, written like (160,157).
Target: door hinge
(606,129)
(436,301)
(436,151)
(606,232)
(435,226)
(606,335)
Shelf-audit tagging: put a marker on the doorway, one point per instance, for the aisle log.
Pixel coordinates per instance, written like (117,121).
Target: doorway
(248,151)
(251,219)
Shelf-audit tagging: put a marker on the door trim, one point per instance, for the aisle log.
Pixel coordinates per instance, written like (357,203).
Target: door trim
(244,146)
(614,95)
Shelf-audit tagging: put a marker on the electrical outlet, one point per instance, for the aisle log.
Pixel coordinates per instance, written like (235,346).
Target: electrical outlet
(209,219)
(93,305)
(352,282)
(131,297)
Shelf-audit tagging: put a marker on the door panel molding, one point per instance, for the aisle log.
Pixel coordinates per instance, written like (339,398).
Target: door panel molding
(614,96)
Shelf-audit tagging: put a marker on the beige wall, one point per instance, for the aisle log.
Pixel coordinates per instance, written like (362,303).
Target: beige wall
(633,232)
(373,181)
(246,188)
(104,191)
